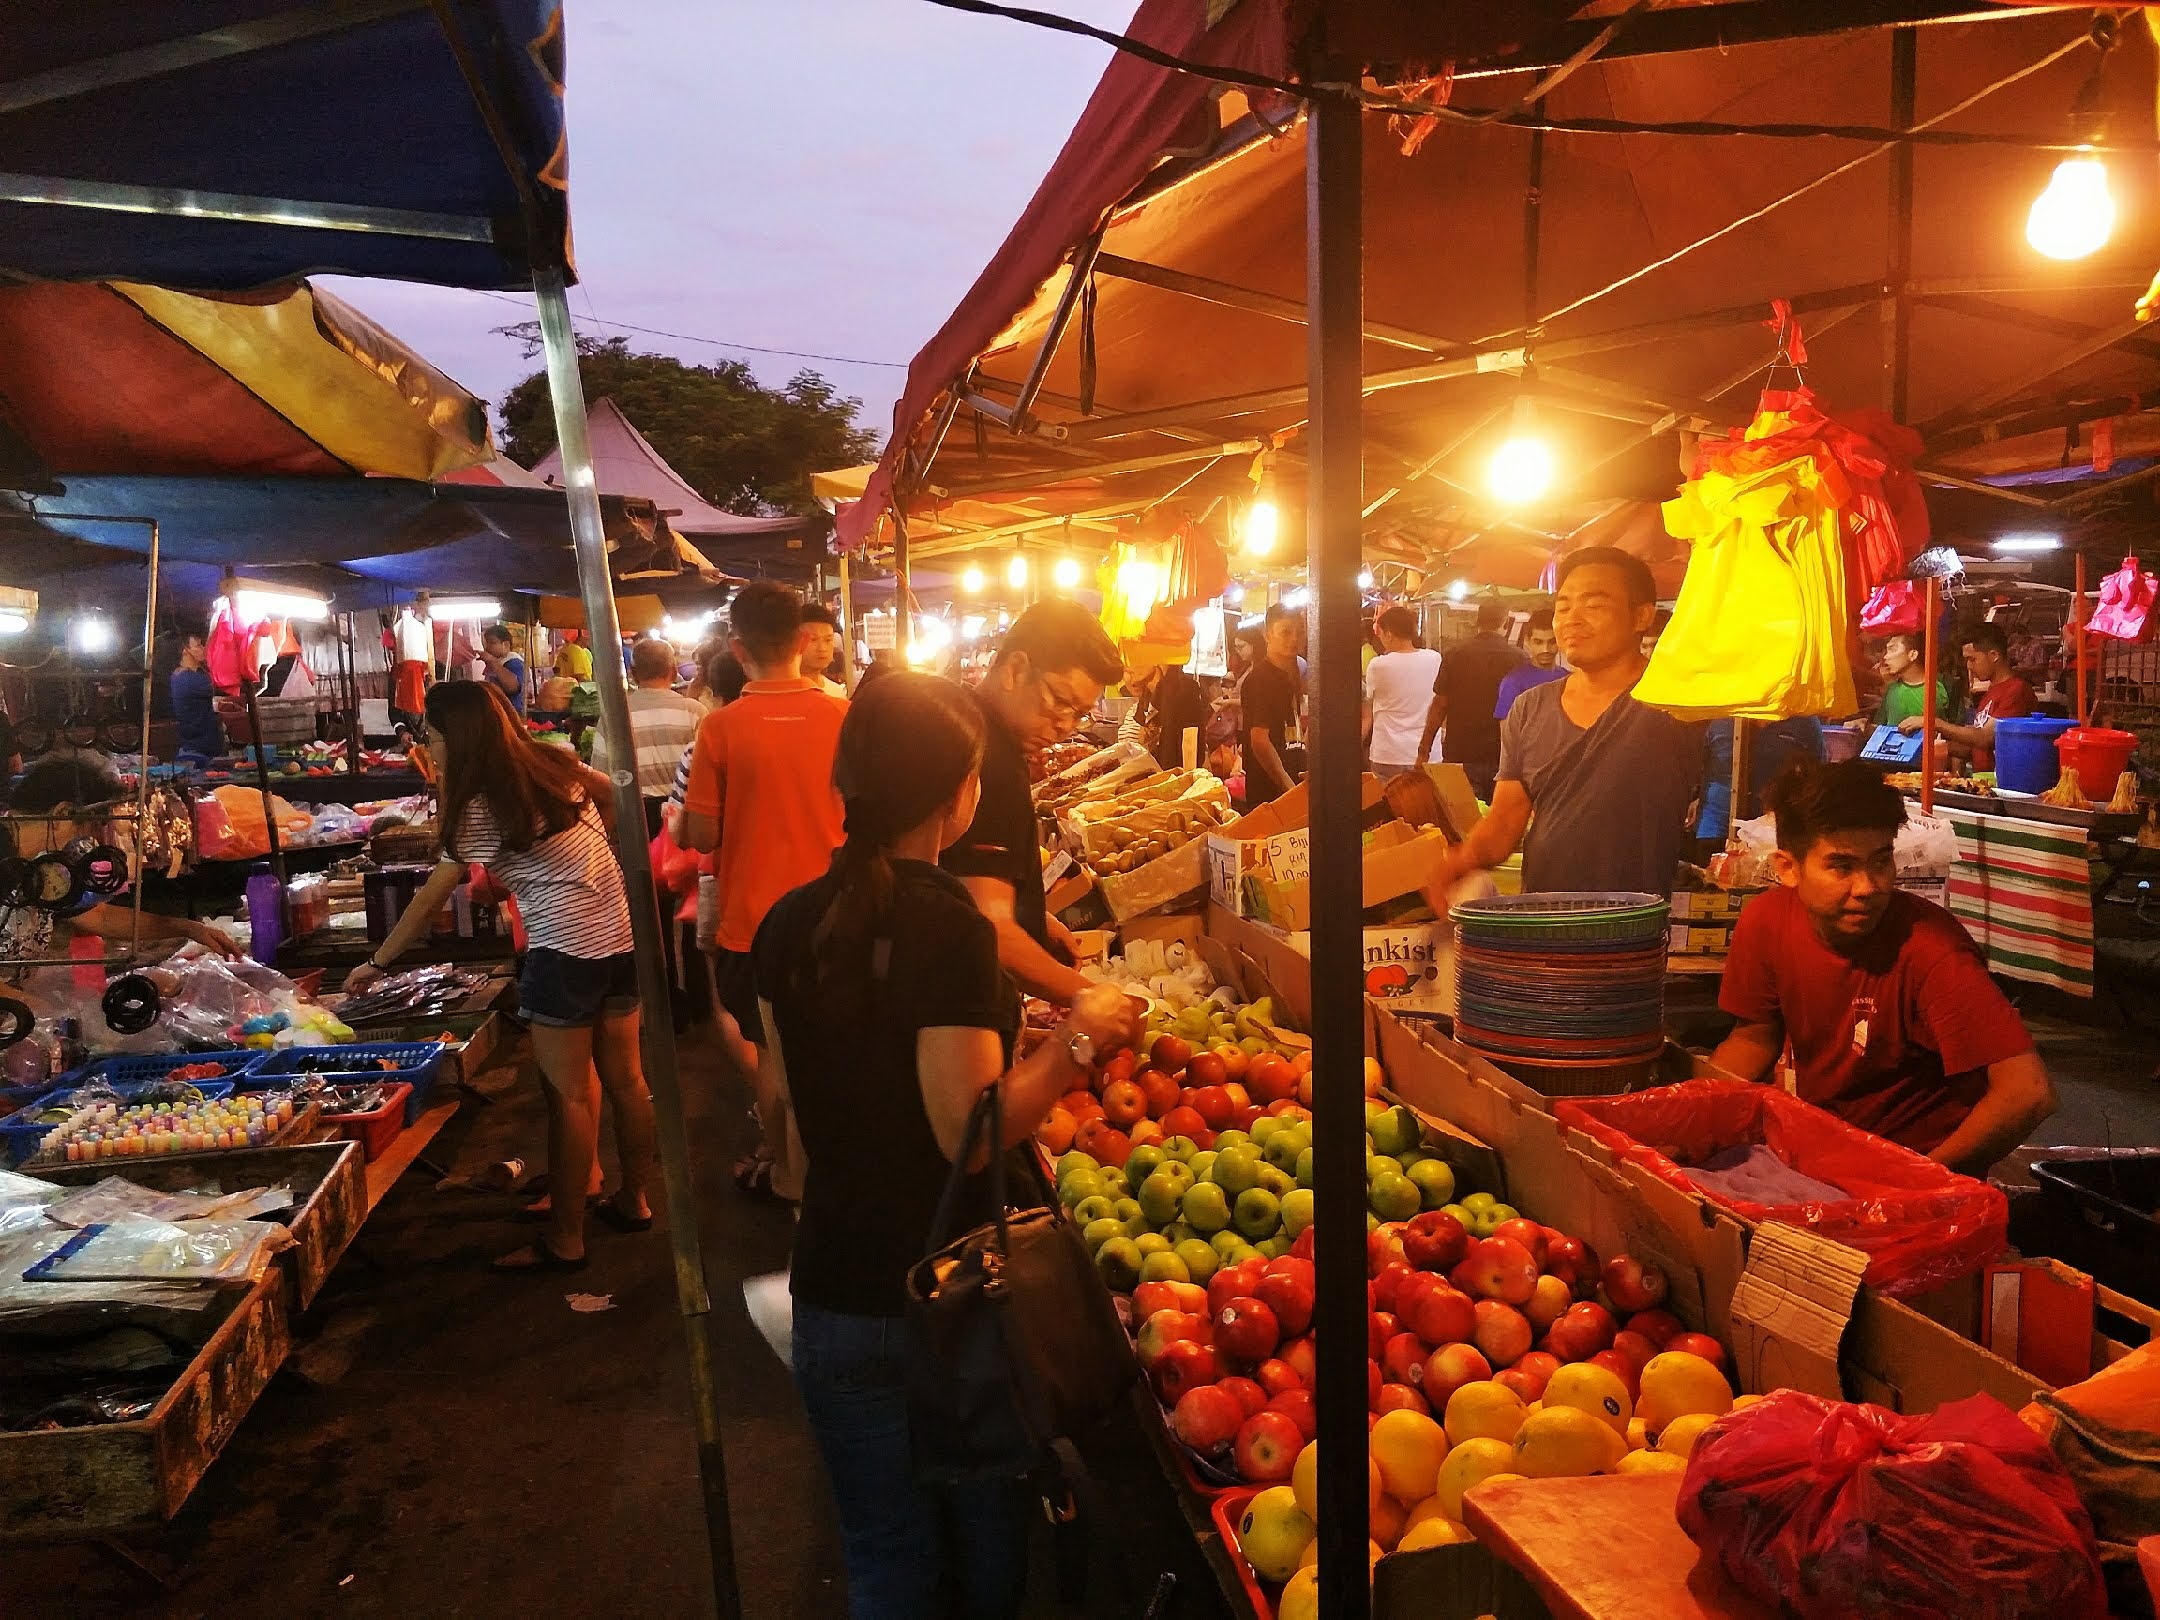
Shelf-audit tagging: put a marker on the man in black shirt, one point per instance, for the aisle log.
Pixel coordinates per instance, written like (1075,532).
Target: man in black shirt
(1464,697)
(1051,667)
(1269,704)
(1167,703)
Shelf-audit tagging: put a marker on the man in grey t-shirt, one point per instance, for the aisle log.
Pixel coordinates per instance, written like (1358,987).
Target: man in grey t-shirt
(1600,783)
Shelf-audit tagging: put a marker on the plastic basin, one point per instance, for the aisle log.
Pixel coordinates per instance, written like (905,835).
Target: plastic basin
(2026,760)
(2098,755)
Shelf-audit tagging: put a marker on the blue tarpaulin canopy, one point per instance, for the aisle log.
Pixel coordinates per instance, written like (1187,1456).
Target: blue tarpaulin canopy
(233,143)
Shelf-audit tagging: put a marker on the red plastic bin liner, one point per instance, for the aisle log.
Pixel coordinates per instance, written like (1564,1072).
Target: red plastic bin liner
(1919,1224)
(1826,1511)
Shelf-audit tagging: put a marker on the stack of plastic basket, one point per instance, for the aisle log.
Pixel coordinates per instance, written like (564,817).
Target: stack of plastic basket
(1562,980)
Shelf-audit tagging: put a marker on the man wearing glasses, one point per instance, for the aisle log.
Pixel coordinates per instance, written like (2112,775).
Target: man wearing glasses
(1051,667)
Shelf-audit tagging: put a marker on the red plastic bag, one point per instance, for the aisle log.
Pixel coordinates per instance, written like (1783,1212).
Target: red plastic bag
(1891,608)
(1919,1224)
(2126,604)
(1825,1511)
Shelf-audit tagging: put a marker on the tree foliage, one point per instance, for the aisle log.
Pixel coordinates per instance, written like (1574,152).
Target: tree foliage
(743,446)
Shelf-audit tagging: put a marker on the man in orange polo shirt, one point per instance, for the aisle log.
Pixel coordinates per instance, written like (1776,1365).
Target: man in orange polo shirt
(761,793)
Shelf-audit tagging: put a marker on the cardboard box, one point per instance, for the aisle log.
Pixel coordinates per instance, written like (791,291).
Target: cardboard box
(1411,968)
(1274,842)
(1397,860)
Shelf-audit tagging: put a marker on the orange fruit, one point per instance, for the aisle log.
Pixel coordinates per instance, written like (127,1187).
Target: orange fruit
(1676,1384)
(1409,1448)
(1587,1387)
(1483,1410)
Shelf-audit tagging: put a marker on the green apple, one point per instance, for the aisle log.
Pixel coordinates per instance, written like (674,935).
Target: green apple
(1180,1148)
(1165,1267)
(1479,1202)
(1304,1167)
(1283,1147)
(1434,1181)
(1206,1207)
(1152,1243)
(1231,1139)
(1090,1210)
(1276,1181)
(1381,1165)
(1274,1248)
(1096,1233)
(1143,1162)
(1226,1244)
(1393,1198)
(1203,1165)
(1069,1162)
(1297,1210)
(1372,1222)
(1114,1183)
(1395,1130)
(1081,1185)
(1201,1260)
(1162,1192)
(1258,1213)
(1179,1232)
(1236,1170)
(1118,1262)
(1240,1252)
(1264,1129)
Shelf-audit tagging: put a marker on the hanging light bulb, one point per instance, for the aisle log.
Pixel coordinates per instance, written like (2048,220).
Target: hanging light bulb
(1364,580)
(1067,573)
(1458,590)
(2074,216)
(972,581)
(1521,470)
(1016,571)
(1262,522)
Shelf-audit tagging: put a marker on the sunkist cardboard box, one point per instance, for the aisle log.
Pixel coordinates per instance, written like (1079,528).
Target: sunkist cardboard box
(1273,843)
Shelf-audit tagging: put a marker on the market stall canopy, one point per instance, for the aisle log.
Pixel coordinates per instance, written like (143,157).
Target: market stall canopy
(120,378)
(1628,305)
(625,463)
(414,140)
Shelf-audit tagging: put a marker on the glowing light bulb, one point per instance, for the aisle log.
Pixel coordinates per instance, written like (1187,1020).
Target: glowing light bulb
(972,581)
(1521,471)
(1364,580)
(1262,522)
(1016,572)
(2074,216)
(94,635)
(1458,590)
(1067,573)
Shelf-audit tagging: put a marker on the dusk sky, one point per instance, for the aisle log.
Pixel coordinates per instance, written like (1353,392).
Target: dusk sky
(824,175)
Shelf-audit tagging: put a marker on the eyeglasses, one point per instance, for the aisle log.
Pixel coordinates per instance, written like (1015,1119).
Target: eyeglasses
(1063,703)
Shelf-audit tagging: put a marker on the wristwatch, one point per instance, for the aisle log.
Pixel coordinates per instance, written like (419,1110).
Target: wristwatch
(1081,1049)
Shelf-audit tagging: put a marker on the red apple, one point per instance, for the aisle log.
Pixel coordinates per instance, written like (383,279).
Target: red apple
(1385,1289)
(1276,1375)
(1289,1294)
(1548,1301)
(1124,1103)
(1302,1246)
(1450,1367)
(1400,1398)
(1444,1316)
(1572,1261)
(1184,1120)
(1621,1368)
(1165,1328)
(1635,1347)
(1699,1344)
(1232,1282)
(1170,1054)
(1207,1419)
(1245,1392)
(1302,1359)
(1245,1118)
(1267,1446)
(1285,1110)
(1526,1232)
(1435,1240)
(1214,1107)
(1402,1359)
(1185,1366)
(1120,1067)
(1082,1105)
(1380,1327)
(1151,1297)
(1502,1333)
(1412,1291)
(1205,1069)
(1500,1268)
(1383,1244)
(1582,1331)
(1162,1093)
(1271,1079)
(1374,1384)
(1629,1284)
(1659,1327)
(1301,1407)
(1247,1331)
(1240,1098)
(1530,1374)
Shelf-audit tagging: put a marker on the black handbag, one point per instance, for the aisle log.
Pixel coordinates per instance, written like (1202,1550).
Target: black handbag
(1017,1344)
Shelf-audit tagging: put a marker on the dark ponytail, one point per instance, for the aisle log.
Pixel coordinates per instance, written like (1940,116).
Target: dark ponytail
(908,744)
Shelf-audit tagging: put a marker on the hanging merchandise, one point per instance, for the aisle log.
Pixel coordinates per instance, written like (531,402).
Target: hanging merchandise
(2125,612)
(1132,579)
(1891,608)
(234,648)
(1198,570)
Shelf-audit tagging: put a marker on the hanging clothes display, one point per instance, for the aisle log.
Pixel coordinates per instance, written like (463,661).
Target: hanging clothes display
(1132,580)
(1793,521)
(2127,598)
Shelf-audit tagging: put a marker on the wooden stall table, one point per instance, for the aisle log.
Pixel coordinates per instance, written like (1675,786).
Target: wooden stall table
(1604,1548)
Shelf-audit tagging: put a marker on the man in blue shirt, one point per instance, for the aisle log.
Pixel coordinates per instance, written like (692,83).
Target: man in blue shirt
(1544,649)
(504,667)
(194,700)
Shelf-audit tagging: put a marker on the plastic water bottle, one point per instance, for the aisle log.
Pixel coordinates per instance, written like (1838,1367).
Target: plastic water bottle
(266,914)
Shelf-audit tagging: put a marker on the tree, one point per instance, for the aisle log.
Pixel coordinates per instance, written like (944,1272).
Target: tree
(743,446)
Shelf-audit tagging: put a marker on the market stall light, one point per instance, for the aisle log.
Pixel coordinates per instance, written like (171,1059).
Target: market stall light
(971,627)
(932,636)
(14,624)
(1067,573)
(465,609)
(2075,215)
(1364,580)
(2027,543)
(1261,526)
(972,581)
(1458,589)
(1233,594)
(89,634)
(1016,572)
(1297,598)
(1521,470)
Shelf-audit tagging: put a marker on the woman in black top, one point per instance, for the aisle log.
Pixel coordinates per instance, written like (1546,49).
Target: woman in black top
(886,1015)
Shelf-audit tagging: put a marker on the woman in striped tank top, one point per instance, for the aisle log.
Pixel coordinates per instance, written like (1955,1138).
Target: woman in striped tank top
(538,820)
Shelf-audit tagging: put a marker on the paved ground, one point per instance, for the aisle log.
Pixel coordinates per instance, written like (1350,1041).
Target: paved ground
(451,1442)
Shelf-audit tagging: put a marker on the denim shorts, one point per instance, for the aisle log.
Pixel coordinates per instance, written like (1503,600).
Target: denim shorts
(571,992)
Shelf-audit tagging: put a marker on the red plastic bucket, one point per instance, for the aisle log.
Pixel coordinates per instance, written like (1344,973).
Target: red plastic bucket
(2098,755)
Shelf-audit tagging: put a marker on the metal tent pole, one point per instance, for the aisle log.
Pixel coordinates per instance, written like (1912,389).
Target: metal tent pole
(692,1293)
(1931,654)
(1334,234)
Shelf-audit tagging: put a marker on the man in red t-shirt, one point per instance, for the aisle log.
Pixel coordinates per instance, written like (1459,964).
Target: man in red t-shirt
(2008,697)
(1893,1021)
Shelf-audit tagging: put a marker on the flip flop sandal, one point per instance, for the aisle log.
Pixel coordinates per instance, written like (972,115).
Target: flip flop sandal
(544,1259)
(609,1211)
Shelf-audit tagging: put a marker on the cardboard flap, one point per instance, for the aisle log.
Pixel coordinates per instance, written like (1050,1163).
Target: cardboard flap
(1790,1309)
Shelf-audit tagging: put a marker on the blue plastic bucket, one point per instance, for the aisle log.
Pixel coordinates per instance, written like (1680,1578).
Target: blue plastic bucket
(2025,756)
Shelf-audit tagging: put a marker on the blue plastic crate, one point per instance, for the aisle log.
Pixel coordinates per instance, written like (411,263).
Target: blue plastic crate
(134,1069)
(415,1062)
(20,1138)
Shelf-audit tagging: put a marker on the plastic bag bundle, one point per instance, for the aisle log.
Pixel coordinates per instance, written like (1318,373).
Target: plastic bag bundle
(1825,1511)
(2127,596)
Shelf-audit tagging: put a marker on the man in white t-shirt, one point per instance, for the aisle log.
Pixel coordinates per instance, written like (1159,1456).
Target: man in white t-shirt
(1398,689)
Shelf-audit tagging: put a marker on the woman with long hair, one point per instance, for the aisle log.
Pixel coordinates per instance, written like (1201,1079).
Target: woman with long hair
(886,1018)
(538,820)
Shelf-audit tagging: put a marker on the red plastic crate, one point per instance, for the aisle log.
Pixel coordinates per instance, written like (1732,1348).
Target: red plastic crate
(377,1130)
(1227,1509)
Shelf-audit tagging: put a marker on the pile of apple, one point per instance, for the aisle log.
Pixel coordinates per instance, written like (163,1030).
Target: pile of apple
(1176,1091)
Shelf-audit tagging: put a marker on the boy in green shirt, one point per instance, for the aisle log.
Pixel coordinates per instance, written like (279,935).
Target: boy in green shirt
(1904,661)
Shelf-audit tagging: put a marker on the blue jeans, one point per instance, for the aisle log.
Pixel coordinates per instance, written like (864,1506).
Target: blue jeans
(914,1551)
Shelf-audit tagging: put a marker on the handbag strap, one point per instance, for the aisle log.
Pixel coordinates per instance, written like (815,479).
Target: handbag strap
(986,1122)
